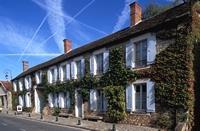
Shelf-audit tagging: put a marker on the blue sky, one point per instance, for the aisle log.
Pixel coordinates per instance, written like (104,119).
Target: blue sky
(33,30)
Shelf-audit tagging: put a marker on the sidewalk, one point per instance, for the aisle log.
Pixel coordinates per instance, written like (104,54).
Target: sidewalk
(72,122)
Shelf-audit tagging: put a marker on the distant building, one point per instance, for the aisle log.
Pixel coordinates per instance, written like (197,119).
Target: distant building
(5,95)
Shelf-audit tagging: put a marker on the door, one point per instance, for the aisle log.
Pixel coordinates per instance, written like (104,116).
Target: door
(79,105)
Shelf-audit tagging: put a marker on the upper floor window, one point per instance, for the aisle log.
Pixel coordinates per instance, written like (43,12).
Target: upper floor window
(79,68)
(141,53)
(99,63)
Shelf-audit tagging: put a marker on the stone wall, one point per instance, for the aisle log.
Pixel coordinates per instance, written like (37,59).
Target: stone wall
(145,119)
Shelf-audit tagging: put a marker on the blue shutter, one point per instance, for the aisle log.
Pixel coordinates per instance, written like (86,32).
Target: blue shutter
(93,100)
(151,49)
(150,97)
(82,67)
(68,71)
(50,100)
(105,60)
(92,65)
(130,55)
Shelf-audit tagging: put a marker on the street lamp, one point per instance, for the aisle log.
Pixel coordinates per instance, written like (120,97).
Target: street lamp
(7,73)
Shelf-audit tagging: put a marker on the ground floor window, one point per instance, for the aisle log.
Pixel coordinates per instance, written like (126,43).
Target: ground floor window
(98,100)
(140,96)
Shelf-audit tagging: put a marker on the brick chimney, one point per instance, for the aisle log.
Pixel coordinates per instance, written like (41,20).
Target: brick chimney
(67,45)
(25,65)
(135,13)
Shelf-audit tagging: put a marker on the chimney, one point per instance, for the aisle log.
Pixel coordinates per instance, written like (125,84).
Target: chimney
(135,13)
(25,65)
(67,45)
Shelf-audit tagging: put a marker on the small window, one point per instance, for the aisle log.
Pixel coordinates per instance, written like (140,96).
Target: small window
(99,64)
(141,53)
(140,97)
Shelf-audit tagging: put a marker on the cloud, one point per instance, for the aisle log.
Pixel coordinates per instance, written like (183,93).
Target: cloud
(33,37)
(123,17)
(60,22)
(56,23)
(14,37)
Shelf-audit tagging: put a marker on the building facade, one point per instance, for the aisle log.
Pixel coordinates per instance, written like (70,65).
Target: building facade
(142,42)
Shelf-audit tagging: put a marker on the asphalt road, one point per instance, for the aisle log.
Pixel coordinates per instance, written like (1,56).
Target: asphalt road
(17,124)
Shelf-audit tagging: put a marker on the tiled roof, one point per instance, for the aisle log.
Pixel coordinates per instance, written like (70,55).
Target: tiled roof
(146,25)
(7,85)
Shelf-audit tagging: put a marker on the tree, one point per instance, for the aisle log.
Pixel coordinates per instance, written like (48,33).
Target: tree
(153,9)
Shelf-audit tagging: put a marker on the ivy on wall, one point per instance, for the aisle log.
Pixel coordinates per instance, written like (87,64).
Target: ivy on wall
(114,82)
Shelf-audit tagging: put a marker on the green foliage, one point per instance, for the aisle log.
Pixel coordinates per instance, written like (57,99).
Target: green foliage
(14,101)
(164,121)
(56,111)
(117,74)
(154,9)
(116,102)
(171,74)
(114,81)
(27,109)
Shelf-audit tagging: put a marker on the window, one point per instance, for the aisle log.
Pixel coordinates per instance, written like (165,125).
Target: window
(102,103)
(141,53)
(99,63)
(78,65)
(140,97)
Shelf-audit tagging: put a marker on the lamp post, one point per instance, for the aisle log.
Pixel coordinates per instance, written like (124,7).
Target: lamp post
(7,73)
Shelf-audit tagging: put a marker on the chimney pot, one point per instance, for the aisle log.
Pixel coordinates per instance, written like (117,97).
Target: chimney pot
(67,45)
(25,65)
(135,13)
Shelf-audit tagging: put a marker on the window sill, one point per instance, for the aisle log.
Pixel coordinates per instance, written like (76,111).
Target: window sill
(141,68)
(139,113)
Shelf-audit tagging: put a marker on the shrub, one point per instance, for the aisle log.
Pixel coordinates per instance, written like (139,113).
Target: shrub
(56,111)
(164,121)
(116,102)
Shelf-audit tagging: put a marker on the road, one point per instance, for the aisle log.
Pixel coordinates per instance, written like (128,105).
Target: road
(8,123)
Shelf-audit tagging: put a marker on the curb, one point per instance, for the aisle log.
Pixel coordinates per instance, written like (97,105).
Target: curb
(49,122)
